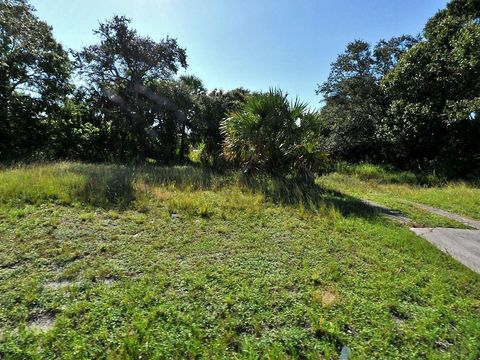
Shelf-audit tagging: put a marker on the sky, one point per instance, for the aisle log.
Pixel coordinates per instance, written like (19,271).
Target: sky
(255,44)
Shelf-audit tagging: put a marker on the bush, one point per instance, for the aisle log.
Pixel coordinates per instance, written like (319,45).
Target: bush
(271,134)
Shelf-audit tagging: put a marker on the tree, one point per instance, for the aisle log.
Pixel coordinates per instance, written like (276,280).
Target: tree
(120,70)
(216,106)
(435,87)
(177,115)
(34,75)
(75,132)
(355,105)
(194,91)
(271,134)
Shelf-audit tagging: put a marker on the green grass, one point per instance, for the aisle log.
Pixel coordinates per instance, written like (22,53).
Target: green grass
(248,268)
(398,189)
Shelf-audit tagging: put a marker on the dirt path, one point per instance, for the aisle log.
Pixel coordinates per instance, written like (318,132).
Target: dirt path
(462,245)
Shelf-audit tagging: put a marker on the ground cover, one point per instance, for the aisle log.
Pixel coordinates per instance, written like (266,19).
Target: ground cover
(105,261)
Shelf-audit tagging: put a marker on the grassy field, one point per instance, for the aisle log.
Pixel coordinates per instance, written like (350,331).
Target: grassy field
(398,191)
(103,261)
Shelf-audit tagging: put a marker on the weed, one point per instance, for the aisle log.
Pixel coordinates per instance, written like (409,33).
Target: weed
(256,267)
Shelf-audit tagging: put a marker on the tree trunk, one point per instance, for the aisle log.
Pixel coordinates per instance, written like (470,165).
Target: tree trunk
(181,153)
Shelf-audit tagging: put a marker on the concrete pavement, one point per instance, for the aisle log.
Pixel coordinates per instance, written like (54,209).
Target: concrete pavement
(463,245)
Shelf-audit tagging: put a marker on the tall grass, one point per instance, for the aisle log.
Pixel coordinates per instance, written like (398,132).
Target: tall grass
(39,183)
(394,189)
(182,177)
(105,185)
(101,184)
(67,183)
(187,189)
(388,175)
(97,184)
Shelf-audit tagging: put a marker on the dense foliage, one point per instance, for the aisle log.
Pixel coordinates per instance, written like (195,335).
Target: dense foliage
(121,72)
(355,105)
(270,133)
(34,72)
(409,102)
(434,94)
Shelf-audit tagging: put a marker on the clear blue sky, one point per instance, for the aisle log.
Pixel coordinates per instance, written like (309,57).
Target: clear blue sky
(256,44)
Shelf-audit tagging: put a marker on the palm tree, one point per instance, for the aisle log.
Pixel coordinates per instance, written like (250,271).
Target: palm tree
(270,133)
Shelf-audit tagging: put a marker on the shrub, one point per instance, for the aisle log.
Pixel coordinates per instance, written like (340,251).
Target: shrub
(270,133)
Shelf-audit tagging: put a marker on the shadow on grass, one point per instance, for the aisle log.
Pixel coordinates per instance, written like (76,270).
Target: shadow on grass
(311,196)
(113,186)
(182,177)
(279,190)
(106,186)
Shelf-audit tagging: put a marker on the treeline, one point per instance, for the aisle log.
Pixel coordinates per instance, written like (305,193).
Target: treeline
(118,100)
(410,102)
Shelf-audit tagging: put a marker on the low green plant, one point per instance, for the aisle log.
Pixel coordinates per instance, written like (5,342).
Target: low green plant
(248,267)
